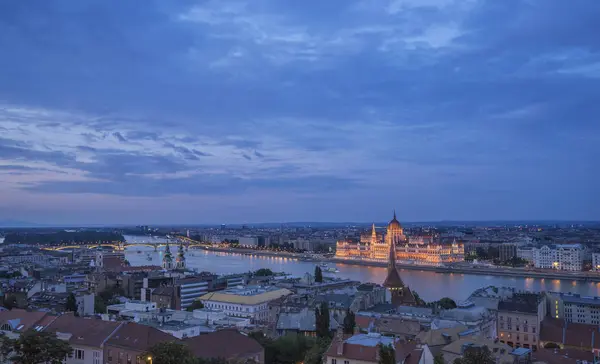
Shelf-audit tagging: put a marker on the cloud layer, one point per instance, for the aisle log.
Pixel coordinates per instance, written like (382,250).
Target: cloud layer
(245,111)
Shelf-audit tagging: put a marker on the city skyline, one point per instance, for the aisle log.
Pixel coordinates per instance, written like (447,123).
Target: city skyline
(209,112)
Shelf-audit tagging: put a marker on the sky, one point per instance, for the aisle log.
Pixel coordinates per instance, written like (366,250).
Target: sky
(148,111)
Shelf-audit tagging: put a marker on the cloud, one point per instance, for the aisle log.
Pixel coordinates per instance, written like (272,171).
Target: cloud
(195,185)
(471,105)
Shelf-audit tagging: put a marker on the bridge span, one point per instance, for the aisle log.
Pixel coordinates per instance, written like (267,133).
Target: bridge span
(119,245)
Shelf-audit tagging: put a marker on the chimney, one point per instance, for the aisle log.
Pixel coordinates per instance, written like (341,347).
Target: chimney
(340,341)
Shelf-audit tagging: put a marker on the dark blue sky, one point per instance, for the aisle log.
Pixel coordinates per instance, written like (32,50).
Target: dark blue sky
(148,111)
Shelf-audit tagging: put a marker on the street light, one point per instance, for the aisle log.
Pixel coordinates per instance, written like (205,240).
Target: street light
(150,359)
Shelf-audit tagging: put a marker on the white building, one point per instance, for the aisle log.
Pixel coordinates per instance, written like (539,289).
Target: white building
(545,257)
(596,261)
(248,302)
(526,253)
(567,257)
(570,257)
(248,240)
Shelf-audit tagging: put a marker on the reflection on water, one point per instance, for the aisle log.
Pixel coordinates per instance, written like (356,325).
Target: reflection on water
(430,285)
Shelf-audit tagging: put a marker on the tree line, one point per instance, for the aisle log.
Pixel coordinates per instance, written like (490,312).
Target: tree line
(62,237)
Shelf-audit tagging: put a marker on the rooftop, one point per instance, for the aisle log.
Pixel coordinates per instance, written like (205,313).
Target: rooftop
(21,320)
(521,302)
(138,337)
(371,339)
(211,345)
(83,331)
(246,296)
(576,298)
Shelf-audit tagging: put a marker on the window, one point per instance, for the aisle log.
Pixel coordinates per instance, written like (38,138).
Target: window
(333,361)
(533,330)
(78,354)
(346,361)
(96,356)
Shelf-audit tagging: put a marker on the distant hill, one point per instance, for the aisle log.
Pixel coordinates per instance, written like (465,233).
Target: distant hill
(18,224)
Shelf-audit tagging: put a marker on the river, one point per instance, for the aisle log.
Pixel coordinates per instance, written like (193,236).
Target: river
(430,285)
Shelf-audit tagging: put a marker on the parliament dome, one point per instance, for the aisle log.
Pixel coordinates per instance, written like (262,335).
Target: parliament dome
(394,224)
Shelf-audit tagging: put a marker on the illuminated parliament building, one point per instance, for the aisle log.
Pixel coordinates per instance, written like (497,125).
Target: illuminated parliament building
(375,246)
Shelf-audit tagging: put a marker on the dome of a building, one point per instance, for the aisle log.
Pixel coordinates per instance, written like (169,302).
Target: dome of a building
(394,224)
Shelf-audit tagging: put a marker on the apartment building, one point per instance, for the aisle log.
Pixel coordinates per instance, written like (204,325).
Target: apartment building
(247,302)
(86,336)
(567,257)
(574,308)
(507,251)
(364,349)
(191,289)
(596,261)
(526,253)
(130,341)
(519,319)
(227,344)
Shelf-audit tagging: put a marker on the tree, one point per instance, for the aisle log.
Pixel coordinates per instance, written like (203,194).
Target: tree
(290,349)
(322,320)
(40,347)
(476,355)
(71,305)
(169,353)
(418,299)
(315,354)
(196,305)
(349,322)
(10,302)
(99,305)
(447,303)
(387,354)
(318,274)
(439,359)
(263,272)
(6,348)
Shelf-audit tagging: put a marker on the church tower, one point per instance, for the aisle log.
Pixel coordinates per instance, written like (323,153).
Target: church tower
(167,262)
(180,261)
(400,294)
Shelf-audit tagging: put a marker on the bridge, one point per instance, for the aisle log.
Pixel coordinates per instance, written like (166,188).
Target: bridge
(121,246)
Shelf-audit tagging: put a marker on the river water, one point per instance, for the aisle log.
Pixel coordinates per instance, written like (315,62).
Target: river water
(430,285)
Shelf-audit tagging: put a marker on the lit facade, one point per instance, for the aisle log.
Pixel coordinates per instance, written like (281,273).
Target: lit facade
(596,262)
(419,250)
(567,257)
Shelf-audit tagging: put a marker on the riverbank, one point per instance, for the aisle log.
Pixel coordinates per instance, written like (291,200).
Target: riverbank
(489,271)
(474,270)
